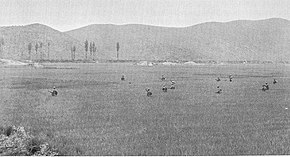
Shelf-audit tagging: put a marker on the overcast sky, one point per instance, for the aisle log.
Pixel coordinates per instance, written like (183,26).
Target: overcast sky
(65,15)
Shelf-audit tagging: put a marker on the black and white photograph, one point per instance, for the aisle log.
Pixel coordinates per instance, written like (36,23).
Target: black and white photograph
(144,77)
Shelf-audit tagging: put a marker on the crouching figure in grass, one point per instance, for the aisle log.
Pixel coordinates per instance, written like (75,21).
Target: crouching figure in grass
(172,85)
(123,78)
(53,92)
(265,87)
(164,88)
(148,92)
(162,78)
(231,77)
(219,90)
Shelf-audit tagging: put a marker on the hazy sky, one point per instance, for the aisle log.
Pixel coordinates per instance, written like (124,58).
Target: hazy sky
(65,15)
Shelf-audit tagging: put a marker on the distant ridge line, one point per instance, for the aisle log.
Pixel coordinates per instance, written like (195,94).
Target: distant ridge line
(265,40)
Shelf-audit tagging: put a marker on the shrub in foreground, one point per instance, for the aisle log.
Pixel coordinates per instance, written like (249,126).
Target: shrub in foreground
(16,141)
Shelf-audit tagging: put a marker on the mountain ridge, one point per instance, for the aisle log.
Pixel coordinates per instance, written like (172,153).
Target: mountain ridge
(134,24)
(234,40)
(266,39)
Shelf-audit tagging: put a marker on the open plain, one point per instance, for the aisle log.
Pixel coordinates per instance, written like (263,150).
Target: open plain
(103,115)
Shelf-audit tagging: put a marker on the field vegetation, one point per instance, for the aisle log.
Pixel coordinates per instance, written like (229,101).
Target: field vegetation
(95,113)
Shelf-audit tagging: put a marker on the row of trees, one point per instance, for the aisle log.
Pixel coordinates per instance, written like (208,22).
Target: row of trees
(90,50)
(39,51)
(92,47)
(42,53)
(38,47)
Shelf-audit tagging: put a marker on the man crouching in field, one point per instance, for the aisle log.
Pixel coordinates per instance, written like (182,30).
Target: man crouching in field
(53,92)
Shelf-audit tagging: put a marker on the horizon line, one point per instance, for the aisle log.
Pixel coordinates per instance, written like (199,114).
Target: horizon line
(126,24)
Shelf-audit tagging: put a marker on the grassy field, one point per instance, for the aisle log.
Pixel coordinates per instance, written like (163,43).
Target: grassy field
(101,115)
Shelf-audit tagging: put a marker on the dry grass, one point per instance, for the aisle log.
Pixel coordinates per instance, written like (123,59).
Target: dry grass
(97,114)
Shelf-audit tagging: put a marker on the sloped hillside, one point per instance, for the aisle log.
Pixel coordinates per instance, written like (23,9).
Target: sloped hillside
(51,44)
(237,40)
(264,40)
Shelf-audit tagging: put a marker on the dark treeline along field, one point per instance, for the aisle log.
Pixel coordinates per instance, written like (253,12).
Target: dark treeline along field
(102,115)
(243,40)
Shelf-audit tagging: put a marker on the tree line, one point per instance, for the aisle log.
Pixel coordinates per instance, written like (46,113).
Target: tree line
(41,51)
(91,47)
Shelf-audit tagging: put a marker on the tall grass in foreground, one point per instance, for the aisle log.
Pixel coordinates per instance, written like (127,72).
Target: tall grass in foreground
(17,141)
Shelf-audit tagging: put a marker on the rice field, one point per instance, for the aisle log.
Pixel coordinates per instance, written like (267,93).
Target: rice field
(103,115)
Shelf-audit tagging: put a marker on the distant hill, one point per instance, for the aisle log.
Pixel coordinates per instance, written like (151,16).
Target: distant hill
(237,40)
(264,40)
(52,44)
